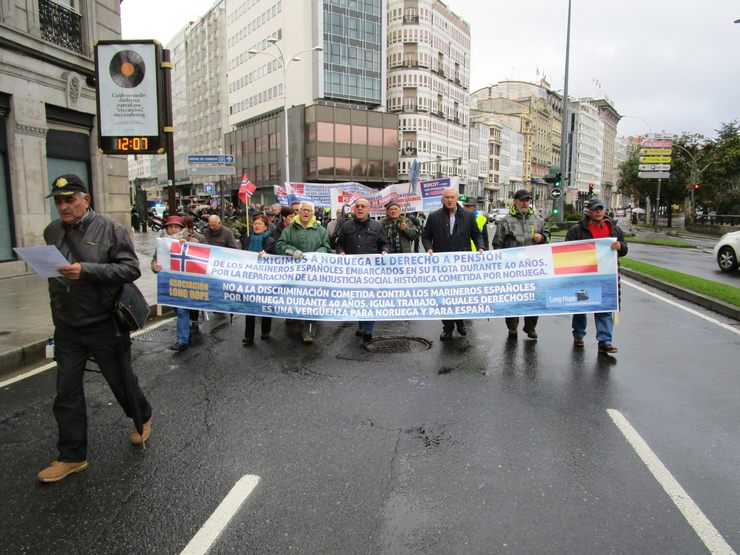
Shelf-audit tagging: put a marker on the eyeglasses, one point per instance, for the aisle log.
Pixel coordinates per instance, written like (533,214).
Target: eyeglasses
(362,205)
(306,210)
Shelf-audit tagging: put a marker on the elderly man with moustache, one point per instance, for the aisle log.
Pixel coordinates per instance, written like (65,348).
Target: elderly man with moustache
(218,235)
(451,229)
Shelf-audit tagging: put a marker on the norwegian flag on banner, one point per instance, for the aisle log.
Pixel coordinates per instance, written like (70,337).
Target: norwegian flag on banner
(186,257)
(246,189)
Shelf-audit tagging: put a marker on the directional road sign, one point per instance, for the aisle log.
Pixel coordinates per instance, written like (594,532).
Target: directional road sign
(654,175)
(659,136)
(556,193)
(655,152)
(210,159)
(212,170)
(657,144)
(654,167)
(655,159)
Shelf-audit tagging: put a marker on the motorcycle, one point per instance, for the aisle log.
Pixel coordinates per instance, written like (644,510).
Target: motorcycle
(155,222)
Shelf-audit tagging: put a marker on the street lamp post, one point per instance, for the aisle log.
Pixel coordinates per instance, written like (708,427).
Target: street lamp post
(284,65)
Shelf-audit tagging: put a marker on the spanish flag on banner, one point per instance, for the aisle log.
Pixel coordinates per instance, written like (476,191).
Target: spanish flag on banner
(575,259)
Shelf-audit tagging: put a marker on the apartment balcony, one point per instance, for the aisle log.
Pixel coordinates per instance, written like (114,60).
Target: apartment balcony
(408,151)
(411,62)
(456,121)
(411,19)
(409,107)
(439,71)
(60,25)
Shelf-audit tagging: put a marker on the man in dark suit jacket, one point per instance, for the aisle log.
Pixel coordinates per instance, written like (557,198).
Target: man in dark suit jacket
(451,229)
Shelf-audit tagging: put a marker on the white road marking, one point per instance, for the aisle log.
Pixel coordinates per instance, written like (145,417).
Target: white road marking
(50,365)
(691,512)
(682,307)
(211,530)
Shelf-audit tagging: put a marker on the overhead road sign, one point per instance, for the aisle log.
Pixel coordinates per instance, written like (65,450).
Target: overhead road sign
(655,159)
(657,143)
(654,167)
(655,152)
(659,136)
(654,175)
(212,170)
(556,193)
(210,159)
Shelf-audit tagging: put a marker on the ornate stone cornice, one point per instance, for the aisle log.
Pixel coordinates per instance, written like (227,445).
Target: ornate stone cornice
(30,130)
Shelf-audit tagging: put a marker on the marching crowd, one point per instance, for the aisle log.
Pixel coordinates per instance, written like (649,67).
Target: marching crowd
(100,259)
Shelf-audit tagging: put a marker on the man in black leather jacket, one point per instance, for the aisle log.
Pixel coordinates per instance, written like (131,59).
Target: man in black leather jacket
(451,229)
(101,259)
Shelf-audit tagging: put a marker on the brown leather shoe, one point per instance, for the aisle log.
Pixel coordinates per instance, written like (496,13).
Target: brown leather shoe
(607,348)
(59,470)
(532,334)
(578,341)
(136,438)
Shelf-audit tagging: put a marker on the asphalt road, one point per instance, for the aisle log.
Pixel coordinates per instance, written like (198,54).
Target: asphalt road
(694,262)
(479,445)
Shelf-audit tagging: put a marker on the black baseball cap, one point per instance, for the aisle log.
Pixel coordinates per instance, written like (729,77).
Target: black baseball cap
(521,194)
(594,203)
(66,185)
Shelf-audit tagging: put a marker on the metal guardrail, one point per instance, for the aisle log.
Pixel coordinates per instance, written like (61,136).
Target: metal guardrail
(717,219)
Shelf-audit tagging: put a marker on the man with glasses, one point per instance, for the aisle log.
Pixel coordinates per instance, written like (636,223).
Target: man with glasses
(304,234)
(451,229)
(361,235)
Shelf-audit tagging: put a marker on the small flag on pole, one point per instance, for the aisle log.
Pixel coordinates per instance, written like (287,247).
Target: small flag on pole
(246,189)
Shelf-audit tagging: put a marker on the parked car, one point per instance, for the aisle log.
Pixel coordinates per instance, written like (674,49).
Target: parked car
(497,215)
(726,251)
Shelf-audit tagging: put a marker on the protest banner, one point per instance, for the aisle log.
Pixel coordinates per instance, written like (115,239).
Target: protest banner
(566,278)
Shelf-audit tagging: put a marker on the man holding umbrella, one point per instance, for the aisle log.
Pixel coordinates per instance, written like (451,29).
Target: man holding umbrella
(101,259)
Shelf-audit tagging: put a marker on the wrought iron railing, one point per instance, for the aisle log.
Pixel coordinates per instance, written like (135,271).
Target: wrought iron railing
(60,25)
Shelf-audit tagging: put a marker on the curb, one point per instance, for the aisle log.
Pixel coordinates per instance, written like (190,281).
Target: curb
(719,307)
(33,354)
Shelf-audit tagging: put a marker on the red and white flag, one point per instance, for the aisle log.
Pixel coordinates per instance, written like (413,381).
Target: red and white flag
(246,189)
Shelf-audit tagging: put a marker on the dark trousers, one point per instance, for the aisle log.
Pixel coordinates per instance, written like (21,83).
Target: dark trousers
(112,353)
(265,326)
(530,322)
(449,325)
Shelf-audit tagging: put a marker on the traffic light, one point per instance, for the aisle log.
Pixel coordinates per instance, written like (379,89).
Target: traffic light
(697,186)
(590,190)
(558,181)
(555,210)
(553,176)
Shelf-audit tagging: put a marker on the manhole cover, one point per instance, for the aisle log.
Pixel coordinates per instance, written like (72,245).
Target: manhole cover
(158,334)
(398,345)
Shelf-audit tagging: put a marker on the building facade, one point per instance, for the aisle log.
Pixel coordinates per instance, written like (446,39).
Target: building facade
(48,116)
(610,118)
(428,83)
(586,162)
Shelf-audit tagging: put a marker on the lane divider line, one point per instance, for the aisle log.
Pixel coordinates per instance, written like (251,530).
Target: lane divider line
(50,365)
(690,510)
(219,520)
(682,307)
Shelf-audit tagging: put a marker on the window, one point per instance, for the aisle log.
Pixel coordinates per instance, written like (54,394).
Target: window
(342,166)
(359,135)
(326,165)
(325,132)
(390,137)
(375,136)
(341,133)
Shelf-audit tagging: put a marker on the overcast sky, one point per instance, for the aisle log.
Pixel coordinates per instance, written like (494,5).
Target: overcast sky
(673,63)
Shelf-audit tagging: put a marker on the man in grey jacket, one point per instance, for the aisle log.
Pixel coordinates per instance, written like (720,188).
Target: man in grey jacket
(521,227)
(101,259)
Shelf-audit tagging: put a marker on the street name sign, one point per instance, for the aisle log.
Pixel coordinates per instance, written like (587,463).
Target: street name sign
(556,193)
(210,159)
(212,170)
(655,159)
(659,136)
(655,152)
(654,167)
(654,175)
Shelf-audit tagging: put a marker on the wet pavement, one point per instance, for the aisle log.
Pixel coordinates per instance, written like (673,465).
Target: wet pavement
(483,444)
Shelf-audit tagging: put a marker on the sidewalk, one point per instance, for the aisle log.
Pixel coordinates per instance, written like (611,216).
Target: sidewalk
(26,317)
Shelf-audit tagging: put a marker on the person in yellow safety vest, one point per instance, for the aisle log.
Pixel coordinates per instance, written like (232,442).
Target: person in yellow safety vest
(480,220)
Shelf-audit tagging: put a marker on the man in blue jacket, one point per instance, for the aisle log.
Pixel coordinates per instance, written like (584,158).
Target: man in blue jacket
(451,229)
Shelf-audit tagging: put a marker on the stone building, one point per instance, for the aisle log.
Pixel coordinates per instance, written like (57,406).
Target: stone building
(48,115)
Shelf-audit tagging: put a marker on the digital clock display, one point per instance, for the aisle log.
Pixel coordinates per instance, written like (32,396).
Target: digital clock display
(132,145)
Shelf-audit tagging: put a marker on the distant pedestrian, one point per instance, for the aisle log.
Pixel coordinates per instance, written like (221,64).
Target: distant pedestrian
(399,229)
(218,235)
(521,227)
(450,229)
(480,219)
(101,259)
(595,225)
(361,235)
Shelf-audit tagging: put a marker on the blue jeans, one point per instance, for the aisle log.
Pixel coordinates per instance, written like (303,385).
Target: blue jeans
(604,326)
(183,325)
(365,326)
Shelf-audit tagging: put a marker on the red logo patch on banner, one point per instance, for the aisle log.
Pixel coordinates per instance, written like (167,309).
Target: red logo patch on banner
(186,257)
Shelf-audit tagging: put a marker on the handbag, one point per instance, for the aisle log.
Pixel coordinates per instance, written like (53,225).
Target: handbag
(131,308)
